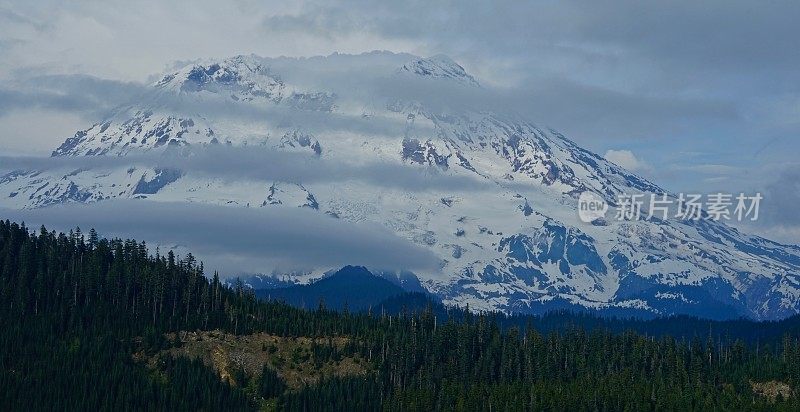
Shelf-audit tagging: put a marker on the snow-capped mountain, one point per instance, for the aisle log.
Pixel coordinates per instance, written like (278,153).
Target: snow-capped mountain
(513,242)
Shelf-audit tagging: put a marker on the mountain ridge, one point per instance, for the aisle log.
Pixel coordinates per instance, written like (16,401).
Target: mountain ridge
(351,287)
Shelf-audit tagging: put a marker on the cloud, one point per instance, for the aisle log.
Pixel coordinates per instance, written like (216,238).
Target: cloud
(716,76)
(713,169)
(370,80)
(627,160)
(680,51)
(598,69)
(94,97)
(260,164)
(254,240)
(51,129)
(777,219)
(782,198)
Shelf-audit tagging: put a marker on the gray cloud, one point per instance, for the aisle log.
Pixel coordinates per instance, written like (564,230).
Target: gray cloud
(555,102)
(782,199)
(718,76)
(260,164)
(95,99)
(550,102)
(11,17)
(683,33)
(89,95)
(600,69)
(777,219)
(255,240)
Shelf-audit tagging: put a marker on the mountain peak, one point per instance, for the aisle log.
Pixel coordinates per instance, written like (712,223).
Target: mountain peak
(440,66)
(242,76)
(350,270)
(352,287)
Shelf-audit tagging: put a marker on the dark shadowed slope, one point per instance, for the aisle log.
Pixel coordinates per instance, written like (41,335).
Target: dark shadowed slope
(353,287)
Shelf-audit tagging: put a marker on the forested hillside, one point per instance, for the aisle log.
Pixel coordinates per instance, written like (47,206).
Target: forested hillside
(97,324)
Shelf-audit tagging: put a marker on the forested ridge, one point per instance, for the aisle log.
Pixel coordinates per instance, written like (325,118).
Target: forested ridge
(84,322)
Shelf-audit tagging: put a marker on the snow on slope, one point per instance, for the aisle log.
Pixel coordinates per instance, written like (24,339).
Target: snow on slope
(515,244)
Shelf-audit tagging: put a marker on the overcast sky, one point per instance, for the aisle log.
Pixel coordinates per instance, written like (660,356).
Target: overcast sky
(695,95)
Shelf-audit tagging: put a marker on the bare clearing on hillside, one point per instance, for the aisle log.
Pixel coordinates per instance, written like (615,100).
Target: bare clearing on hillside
(293,358)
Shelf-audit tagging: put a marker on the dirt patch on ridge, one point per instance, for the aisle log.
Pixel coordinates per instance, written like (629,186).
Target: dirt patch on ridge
(293,358)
